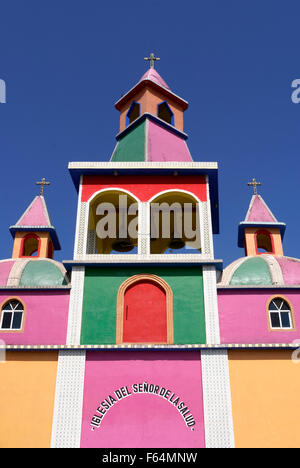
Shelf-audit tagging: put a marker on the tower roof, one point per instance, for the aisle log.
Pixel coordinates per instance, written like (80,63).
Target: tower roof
(153,75)
(259,212)
(35,215)
(153,80)
(36,218)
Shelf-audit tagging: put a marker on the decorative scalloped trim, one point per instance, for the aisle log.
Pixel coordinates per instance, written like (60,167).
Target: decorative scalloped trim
(217,407)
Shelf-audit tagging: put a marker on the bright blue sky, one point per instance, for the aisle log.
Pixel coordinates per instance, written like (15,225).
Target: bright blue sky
(67,62)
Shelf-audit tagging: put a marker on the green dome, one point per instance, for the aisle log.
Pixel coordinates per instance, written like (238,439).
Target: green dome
(42,273)
(253,271)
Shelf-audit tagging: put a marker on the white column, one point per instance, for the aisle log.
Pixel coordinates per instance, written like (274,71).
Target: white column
(218,421)
(67,417)
(144,229)
(91,247)
(75,306)
(206,230)
(208,247)
(212,327)
(80,244)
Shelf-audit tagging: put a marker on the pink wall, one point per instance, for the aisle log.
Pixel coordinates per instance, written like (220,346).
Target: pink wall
(243,316)
(142,420)
(45,319)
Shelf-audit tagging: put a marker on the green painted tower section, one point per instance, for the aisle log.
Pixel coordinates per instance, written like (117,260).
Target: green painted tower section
(131,147)
(100,301)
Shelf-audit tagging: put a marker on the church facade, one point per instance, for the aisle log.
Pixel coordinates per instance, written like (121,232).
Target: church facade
(143,338)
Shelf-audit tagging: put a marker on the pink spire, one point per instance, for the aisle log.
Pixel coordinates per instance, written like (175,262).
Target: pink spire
(259,212)
(36,214)
(152,75)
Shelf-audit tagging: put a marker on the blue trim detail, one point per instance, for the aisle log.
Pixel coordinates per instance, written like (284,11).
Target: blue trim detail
(171,113)
(243,226)
(69,264)
(130,111)
(155,119)
(51,230)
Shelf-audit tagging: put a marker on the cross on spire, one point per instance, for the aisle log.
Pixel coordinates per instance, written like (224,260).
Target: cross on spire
(254,184)
(42,184)
(152,59)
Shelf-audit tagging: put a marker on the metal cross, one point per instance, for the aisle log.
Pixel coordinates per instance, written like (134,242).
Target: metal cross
(42,184)
(254,184)
(152,59)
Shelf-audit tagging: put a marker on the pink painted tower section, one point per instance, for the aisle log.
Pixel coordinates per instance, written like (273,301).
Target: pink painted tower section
(259,211)
(164,145)
(36,214)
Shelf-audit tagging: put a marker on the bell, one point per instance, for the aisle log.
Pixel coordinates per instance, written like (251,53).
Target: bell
(176,244)
(122,245)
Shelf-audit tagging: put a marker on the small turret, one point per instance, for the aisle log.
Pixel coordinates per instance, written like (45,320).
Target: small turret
(33,234)
(260,232)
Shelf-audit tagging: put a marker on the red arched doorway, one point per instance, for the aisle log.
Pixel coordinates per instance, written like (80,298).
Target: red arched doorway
(144,311)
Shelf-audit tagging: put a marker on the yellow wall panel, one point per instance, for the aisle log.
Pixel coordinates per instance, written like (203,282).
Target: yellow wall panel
(27,390)
(265,389)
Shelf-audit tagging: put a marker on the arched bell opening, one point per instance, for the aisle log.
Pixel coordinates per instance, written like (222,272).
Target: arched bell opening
(113,223)
(30,246)
(264,242)
(175,226)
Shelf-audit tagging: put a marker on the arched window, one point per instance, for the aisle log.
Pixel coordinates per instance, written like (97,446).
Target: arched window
(264,242)
(280,314)
(164,113)
(133,113)
(174,224)
(30,246)
(12,315)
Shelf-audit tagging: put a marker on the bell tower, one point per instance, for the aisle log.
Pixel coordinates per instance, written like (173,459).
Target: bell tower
(260,232)
(144,273)
(33,234)
(151,210)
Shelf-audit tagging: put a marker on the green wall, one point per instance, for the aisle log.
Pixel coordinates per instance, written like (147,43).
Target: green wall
(132,146)
(100,299)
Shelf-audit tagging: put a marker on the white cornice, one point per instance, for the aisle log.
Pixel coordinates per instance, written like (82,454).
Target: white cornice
(142,165)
